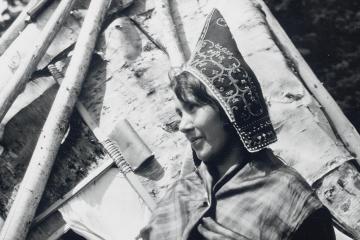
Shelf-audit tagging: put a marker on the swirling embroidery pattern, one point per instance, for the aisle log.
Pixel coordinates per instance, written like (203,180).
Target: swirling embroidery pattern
(221,22)
(233,82)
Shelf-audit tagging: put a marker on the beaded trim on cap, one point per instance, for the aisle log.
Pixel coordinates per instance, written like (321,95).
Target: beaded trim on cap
(219,65)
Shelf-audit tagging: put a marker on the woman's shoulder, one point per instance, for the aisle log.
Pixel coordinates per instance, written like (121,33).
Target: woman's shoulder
(295,191)
(288,179)
(279,172)
(285,182)
(291,178)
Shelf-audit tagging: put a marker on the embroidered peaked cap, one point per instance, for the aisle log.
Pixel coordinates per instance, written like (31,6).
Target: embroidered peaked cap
(219,65)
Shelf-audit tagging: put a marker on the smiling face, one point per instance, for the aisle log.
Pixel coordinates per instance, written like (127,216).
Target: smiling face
(203,127)
(203,121)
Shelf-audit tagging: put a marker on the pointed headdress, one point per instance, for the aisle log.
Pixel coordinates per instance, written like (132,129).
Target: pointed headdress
(219,65)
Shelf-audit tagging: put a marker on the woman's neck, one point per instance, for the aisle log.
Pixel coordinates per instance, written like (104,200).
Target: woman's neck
(234,154)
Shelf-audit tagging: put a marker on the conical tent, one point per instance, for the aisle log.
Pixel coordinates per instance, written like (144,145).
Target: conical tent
(128,79)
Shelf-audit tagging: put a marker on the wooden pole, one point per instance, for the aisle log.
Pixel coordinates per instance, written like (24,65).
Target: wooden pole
(114,151)
(92,177)
(16,27)
(15,85)
(1,222)
(171,40)
(337,190)
(90,122)
(342,126)
(32,186)
(116,159)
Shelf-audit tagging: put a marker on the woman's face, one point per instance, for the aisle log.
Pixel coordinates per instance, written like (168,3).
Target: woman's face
(203,127)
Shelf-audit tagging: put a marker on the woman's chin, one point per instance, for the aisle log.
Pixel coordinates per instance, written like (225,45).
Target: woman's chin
(204,157)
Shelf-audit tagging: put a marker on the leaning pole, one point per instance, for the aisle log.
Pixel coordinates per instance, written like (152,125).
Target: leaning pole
(33,184)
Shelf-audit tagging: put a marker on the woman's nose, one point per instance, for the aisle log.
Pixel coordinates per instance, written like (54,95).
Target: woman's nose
(186,123)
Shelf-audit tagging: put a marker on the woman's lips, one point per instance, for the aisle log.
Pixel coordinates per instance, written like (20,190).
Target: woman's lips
(196,141)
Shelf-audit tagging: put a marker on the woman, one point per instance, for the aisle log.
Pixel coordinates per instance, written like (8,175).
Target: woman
(239,190)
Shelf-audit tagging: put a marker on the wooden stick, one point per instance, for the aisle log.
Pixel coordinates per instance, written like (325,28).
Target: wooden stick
(1,222)
(113,150)
(141,191)
(15,85)
(170,39)
(90,122)
(15,28)
(33,8)
(59,233)
(338,188)
(36,10)
(27,199)
(348,134)
(77,189)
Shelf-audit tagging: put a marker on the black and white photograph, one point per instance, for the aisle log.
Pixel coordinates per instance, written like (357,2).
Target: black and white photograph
(179,120)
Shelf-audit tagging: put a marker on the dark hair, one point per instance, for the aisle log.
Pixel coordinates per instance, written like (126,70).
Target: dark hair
(185,84)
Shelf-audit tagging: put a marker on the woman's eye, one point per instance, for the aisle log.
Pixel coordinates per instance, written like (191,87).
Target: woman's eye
(191,107)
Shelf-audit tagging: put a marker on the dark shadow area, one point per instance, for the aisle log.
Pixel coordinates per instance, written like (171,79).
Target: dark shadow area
(151,169)
(77,152)
(71,235)
(80,149)
(327,33)
(20,137)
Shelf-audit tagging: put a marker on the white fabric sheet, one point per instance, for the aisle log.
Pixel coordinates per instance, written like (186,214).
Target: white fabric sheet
(108,209)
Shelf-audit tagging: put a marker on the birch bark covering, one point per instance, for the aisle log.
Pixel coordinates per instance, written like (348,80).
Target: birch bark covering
(13,56)
(28,64)
(306,141)
(15,29)
(130,81)
(32,186)
(128,78)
